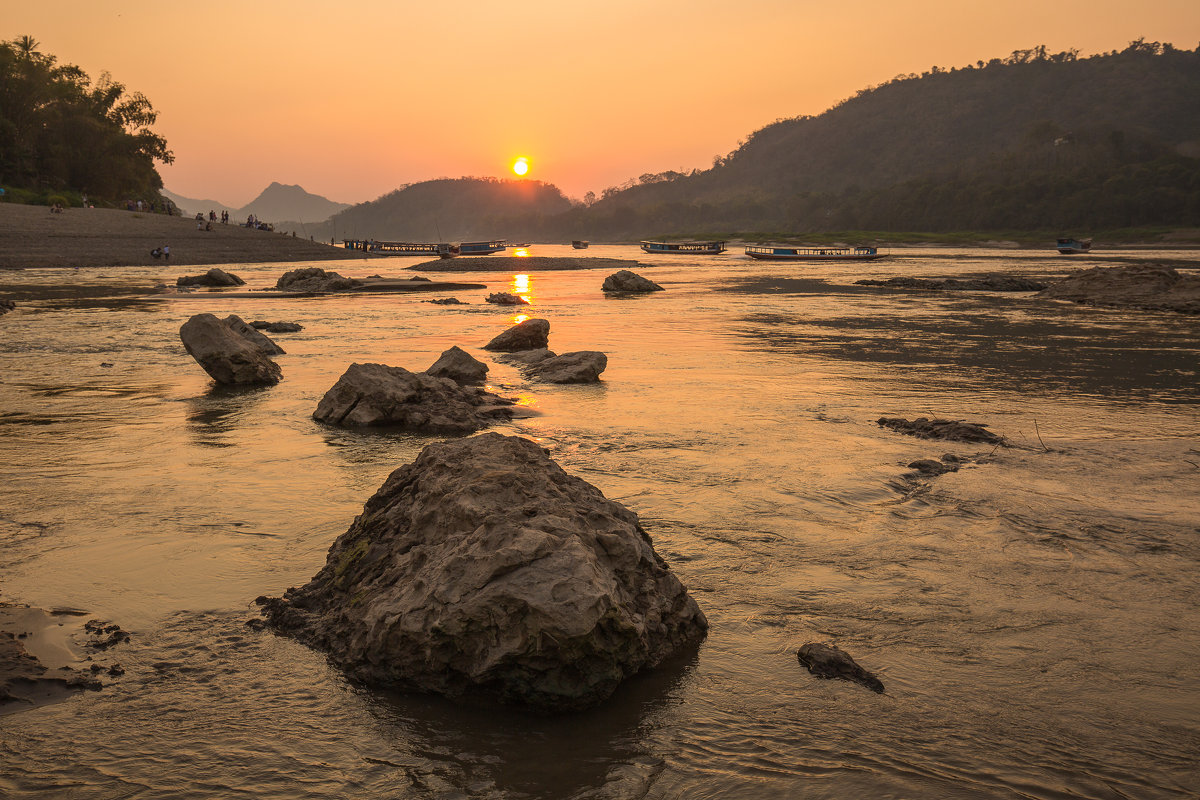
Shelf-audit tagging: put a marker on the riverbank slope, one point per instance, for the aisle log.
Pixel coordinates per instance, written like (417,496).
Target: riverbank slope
(34,237)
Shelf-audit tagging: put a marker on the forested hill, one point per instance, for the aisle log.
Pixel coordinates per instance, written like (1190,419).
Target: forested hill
(1014,129)
(458,209)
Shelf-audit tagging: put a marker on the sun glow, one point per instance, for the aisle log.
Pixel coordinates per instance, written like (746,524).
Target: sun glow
(521,166)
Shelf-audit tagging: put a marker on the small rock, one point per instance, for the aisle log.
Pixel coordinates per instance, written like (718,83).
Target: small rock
(259,340)
(827,661)
(532,334)
(459,366)
(506,299)
(314,279)
(6,306)
(447,301)
(626,281)
(583,366)
(276,327)
(930,466)
(214,277)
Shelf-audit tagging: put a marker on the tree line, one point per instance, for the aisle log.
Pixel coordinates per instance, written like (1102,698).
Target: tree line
(61,133)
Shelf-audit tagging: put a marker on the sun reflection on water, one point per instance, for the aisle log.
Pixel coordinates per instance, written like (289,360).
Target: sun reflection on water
(521,252)
(522,287)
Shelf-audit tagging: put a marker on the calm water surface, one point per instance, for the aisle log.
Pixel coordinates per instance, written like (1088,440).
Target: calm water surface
(1034,616)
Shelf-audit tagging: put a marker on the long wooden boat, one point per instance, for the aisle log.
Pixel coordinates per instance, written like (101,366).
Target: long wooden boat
(482,248)
(774,253)
(1074,246)
(580,244)
(439,249)
(688,248)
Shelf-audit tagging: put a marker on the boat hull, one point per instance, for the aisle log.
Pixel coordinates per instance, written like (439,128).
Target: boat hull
(785,256)
(685,248)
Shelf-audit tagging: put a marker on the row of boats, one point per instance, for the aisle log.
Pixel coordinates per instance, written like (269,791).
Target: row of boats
(767,252)
(709,248)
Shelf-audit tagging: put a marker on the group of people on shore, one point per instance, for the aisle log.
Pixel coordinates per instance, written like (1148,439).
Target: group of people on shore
(150,206)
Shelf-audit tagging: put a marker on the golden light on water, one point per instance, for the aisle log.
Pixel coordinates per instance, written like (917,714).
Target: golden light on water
(521,252)
(521,166)
(522,286)
(519,318)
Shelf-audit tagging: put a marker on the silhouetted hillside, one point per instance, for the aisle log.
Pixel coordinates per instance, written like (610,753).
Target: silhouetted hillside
(458,209)
(280,202)
(1006,133)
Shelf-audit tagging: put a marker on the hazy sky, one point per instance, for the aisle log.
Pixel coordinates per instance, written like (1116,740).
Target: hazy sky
(351,99)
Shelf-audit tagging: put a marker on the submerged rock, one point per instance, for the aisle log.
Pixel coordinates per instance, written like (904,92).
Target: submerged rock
(988,283)
(314,279)
(6,306)
(225,354)
(506,299)
(376,394)
(447,301)
(626,281)
(1147,286)
(214,277)
(583,366)
(263,343)
(276,327)
(459,366)
(952,430)
(532,334)
(827,661)
(483,569)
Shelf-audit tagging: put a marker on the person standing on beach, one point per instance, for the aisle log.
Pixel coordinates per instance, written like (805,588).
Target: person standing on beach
(166,251)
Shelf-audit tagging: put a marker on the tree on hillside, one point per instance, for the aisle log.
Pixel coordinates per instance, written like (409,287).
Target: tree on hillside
(60,131)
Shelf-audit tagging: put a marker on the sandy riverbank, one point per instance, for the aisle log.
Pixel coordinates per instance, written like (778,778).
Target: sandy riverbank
(33,237)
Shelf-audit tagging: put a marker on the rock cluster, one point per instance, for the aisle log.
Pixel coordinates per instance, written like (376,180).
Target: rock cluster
(459,366)
(214,277)
(1146,286)
(532,334)
(225,354)
(828,661)
(626,281)
(378,395)
(314,279)
(506,299)
(482,569)
(952,430)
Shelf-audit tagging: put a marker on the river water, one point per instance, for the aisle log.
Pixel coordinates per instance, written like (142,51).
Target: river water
(1034,616)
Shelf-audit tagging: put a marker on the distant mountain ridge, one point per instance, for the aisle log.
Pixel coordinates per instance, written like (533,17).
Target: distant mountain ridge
(278,203)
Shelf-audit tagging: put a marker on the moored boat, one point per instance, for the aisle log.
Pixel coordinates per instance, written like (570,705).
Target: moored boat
(580,244)
(774,253)
(441,249)
(1073,246)
(689,248)
(482,248)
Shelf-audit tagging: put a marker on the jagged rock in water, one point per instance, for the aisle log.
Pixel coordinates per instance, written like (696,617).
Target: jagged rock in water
(506,299)
(276,327)
(524,358)
(459,366)
(988,283)
(953,430)
(1147,286)
(259,340)
(225,354)
(214,277)
(483,569)
(827,661)
(626,281)
(315,279)
(583,366)
(376,394)
(447,301)
(532,334)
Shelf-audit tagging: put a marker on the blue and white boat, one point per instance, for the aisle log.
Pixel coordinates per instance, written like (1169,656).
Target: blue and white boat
(482,248)
(1069,247)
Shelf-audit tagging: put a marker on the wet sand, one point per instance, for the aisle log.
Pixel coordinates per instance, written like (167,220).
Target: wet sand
(33,237)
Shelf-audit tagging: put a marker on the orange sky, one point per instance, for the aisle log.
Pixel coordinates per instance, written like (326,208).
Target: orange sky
(351,99)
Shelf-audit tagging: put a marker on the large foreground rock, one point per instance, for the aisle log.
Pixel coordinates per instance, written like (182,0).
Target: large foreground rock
(627,281)
(376,394)
(225,354)
(532,334)
(1148,286)
(483,569)
(214,277)
(459,366)
(315,279)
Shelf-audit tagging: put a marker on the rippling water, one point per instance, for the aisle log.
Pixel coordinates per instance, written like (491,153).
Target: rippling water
(1034,616)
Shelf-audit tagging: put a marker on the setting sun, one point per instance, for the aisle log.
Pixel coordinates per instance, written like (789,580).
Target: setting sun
(521,166)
